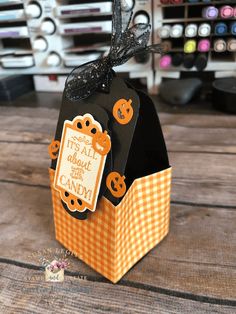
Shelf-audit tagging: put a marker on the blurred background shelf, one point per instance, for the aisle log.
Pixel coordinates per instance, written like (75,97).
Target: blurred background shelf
(51,37)
(64,34)
(187,14)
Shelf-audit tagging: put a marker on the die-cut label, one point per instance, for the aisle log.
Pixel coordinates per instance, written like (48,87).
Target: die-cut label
(81,162)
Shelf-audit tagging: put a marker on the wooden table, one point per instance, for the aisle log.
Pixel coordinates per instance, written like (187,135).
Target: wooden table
(192,271)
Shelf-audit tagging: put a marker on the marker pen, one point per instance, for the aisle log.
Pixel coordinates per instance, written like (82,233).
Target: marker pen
(191,30)
(164,31)
(188,61)
(204,45)
(201,61)
(231,44)
(177,59)
(221,28)
(233,28)
(220,45)
(190,46)
(165,62)
(204,30)
(226,12)
(210,13)
(176,31)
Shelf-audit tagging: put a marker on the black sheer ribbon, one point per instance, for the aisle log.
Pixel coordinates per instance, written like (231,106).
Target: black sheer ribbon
(125,43)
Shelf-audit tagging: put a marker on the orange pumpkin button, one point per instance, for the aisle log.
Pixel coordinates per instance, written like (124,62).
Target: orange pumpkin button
(53,149)
(116,184)
(101,143)
(123,111)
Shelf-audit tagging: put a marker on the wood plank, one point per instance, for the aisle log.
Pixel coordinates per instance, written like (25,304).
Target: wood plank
(191,120)
(28,124)
(197,178)
(218,120)
(178,138)
(34,100)
(203,178)
(27,224)
(15,128)
(24,291)
(195,132)
(24,163)
(181,119)
(28,112)
(196,139)
(183,132)
(197,257)
(25,124)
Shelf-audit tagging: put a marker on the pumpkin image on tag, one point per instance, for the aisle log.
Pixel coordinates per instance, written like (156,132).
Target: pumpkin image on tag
(101,143)
(81,162)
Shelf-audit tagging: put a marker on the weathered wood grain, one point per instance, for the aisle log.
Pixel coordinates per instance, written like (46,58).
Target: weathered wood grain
(218,120)
(28,112)
(27,224)
(181,119)
(33,100)
(178,138)
(24,163)
(196,139)
(17,128)
(192,268)
(213,176)
(24,291)
(182,133)
(198,256)
(204,178)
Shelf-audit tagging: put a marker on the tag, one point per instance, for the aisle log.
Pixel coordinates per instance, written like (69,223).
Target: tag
(83,151)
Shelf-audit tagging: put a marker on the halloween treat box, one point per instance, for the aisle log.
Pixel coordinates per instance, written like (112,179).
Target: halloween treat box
(110,175)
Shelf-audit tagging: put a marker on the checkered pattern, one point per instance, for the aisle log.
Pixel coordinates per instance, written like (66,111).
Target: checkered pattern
(114,238)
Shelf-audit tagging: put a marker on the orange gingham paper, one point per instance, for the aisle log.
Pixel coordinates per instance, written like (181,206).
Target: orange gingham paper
(114,238)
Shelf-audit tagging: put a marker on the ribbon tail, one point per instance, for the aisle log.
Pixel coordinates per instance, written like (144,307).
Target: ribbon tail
(126,42)
(157,48)
(86,79)
(120,24)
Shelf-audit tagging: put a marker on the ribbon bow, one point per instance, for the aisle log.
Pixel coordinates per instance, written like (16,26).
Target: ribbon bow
(125,43)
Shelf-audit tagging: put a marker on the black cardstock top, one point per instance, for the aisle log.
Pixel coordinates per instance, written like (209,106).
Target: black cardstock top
(138,148)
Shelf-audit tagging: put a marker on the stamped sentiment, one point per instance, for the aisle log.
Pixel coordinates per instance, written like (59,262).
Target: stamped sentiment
(81,161)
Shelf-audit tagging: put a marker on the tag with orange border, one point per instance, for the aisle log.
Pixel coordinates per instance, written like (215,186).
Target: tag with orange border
(81,161)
